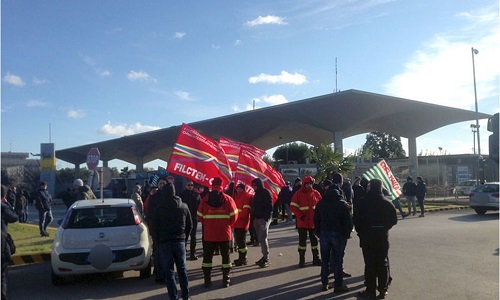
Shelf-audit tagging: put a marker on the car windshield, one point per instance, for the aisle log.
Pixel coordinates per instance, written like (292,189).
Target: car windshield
(94,217)
(468,183)
(487,188)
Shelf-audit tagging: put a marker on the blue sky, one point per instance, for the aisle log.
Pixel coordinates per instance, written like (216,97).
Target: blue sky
(77,72)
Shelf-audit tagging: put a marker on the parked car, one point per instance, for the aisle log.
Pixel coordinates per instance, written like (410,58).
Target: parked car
(484,198)
(99,236)
(464,188)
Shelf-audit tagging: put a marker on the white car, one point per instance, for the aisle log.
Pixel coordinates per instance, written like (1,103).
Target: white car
(99,236)
(484,198)
(464,188)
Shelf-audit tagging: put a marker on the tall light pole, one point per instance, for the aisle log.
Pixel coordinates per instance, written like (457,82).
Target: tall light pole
(475,51)
(473,128)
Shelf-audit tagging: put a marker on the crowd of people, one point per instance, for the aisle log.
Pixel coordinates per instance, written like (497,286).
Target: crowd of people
(325,213)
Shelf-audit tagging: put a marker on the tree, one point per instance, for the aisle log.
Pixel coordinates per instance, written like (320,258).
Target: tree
(291,152)
(383,145)
(329,161)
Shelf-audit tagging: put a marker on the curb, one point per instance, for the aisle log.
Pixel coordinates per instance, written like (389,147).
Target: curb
(30,259)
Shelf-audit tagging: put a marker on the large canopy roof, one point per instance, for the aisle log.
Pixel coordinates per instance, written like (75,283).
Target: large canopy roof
(312,120)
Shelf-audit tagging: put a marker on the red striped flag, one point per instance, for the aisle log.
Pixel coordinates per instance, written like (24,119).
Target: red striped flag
(198,158)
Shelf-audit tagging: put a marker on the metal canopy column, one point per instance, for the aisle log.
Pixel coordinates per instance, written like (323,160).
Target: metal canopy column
(412,155)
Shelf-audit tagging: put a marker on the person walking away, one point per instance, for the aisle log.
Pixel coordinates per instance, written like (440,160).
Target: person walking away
(303,205)
(217,212)
(374,216)
(136,196)
(285,197)
(333,225)
(420,192)
(172,225)
(8,216)
(262,210)
(358,190)
(243,200)
(43,204)
(192,200)
(20,207)
(409,190)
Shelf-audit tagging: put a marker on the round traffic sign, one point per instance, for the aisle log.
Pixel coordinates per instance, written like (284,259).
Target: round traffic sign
(93,158)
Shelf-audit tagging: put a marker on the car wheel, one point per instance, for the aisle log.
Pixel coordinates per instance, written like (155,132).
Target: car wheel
(146,272)
(480,211)
(57,280)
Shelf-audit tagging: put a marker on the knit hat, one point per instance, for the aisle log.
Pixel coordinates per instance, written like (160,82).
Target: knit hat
(409,178)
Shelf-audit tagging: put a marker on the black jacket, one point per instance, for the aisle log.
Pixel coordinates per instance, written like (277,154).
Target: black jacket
(332,214)
(8,216)
(373,216)
(409,188)
(192,199)
(262,205)
(171,219)
(421,190)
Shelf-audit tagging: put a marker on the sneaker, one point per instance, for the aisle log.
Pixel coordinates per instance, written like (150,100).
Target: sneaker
(193,257)
(264,263)
(340,289)
(256,244)
(365,294)
(382,295)
(274,222)
(421,216)
(325,287)
(259,261)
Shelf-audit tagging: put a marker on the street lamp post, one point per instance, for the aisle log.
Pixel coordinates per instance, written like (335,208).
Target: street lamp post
(475,51)
(473,128)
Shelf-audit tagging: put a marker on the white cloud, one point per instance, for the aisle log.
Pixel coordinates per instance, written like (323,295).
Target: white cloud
(441,72)
(13,80)
(179,35)
(140,76)
(237,43)
(76,113)
(104,73)
(37,81)
(183,95)
(216,47)
(125,129)
(269,100)
(36,103)
(283,78)
(266,20)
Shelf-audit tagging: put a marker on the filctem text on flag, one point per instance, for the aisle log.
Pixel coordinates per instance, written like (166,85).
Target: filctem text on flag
(190,171)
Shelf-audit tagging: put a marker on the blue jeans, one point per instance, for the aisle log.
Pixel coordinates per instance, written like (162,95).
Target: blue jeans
(411,200)
(170,253)
(262,229)
(44,219)
(332,242)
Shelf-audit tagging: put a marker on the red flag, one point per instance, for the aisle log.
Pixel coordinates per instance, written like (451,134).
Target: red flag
(232,150)
(251,166)
(198,158)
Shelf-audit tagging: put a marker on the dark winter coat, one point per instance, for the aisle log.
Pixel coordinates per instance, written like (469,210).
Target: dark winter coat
(262,205)
(171,218)
(373,216)
(332,214)
(192,199)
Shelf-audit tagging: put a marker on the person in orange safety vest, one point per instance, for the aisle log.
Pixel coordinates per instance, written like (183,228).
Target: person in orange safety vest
(303,204)
(217,213)
(242,199)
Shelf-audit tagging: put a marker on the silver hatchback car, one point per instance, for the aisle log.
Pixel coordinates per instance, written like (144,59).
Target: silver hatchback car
(98,236)
(484,198)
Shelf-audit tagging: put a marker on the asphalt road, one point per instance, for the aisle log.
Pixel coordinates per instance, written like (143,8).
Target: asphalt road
(446,255)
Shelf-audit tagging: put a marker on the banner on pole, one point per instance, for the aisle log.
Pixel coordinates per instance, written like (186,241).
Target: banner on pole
(251,166)
(384,173)
(198,158)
